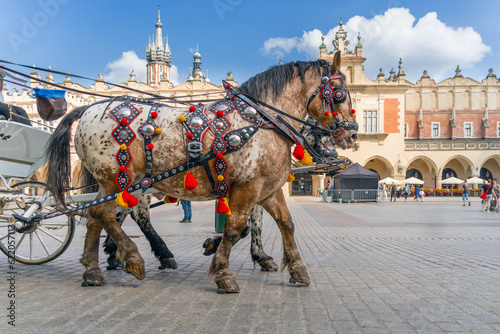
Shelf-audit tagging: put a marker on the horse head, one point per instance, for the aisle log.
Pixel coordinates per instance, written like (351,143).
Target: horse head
(331,105)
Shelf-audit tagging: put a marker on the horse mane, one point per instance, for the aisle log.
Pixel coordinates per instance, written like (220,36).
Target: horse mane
(270,83)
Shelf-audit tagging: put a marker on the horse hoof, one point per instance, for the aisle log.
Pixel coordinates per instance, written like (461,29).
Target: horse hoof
(300,277)
(93,279)
(137,270)
(227,284)
(114,268)
(167,263)
(268,265)
(209,246)
(114,264)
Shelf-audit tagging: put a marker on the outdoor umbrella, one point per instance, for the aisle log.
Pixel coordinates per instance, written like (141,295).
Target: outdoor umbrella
(452,180)
(475,180)
(389,180)
(413,180)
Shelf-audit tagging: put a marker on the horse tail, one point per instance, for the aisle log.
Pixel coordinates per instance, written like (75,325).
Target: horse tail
(58,156)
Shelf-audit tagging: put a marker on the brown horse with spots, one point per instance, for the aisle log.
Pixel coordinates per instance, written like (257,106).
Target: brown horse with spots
(255,170)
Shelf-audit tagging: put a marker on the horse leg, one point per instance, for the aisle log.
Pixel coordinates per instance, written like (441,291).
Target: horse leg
(127,250)
(265,261)
(90,257)
(110,246)
(235,224)
(211,244)
(140,213)
(276,207)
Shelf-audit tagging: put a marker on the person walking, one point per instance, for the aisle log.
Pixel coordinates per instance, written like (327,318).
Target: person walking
(417,193)
(465,194)
(488,190)
(393,192)
(186,206)
(324,195)
(406,191)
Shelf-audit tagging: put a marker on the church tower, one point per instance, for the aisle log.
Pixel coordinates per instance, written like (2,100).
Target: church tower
(158,56)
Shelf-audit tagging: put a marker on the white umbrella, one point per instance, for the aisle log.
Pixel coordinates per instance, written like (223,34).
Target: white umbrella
(389,180)
(413,180)
(475,180)
(452,180)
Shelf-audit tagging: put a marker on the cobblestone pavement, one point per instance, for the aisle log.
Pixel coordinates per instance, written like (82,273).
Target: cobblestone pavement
(431,267)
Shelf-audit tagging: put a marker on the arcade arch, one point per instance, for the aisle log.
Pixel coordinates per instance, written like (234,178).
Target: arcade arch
(380,165)
(462,166)
(426,167)
(492,165)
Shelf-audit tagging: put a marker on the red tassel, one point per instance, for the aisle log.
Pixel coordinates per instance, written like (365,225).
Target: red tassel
(298,152)
(126,200)
(169,199)
(190,182)
(222,207)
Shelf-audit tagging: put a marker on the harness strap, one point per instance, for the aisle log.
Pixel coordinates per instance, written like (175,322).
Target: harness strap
(210,177)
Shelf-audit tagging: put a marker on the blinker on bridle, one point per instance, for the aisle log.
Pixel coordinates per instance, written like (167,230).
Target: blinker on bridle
(332,96)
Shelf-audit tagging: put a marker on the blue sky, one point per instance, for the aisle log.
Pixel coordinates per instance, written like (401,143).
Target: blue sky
(243,36)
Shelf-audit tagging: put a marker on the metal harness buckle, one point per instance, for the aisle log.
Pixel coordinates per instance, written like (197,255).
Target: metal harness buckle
(194,148)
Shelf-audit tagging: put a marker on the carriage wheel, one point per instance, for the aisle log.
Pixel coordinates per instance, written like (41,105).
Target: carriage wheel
(42,242)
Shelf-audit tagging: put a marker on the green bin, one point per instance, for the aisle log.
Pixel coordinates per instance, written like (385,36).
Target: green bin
(220,221)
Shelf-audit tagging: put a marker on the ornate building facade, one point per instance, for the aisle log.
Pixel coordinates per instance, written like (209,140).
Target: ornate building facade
(430,130)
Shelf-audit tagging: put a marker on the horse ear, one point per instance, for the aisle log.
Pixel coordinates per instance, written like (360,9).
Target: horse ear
(336,63)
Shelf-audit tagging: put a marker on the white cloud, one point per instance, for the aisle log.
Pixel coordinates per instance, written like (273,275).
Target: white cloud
(427,44)
(279,46)
(123,66)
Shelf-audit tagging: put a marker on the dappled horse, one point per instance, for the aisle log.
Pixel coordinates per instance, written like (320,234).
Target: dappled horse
(250,161)
(320,145)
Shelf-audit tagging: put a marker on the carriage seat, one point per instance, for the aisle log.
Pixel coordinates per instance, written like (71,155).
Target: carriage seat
(19,114)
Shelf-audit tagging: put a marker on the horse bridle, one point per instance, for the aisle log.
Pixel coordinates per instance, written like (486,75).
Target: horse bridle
(332,96)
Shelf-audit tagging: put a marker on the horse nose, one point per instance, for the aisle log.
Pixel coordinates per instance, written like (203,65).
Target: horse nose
(354,137)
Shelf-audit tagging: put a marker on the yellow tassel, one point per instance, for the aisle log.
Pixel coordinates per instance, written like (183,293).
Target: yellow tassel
(121,203)
(307,160)
(290,178)
(227,204)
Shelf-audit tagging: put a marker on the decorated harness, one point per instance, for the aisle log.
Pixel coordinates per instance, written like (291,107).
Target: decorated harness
(196,124)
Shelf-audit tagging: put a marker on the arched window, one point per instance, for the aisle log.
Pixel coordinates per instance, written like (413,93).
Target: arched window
(482,100)
(447,173)
(413,173)
(485,173)
(467,100)
(434,103)
(450,100)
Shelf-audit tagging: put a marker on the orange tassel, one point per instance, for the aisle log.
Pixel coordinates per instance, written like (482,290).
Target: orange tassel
(298,152)
(222,207)
(290,178)
(307,160)
(126,200)
(190,182)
